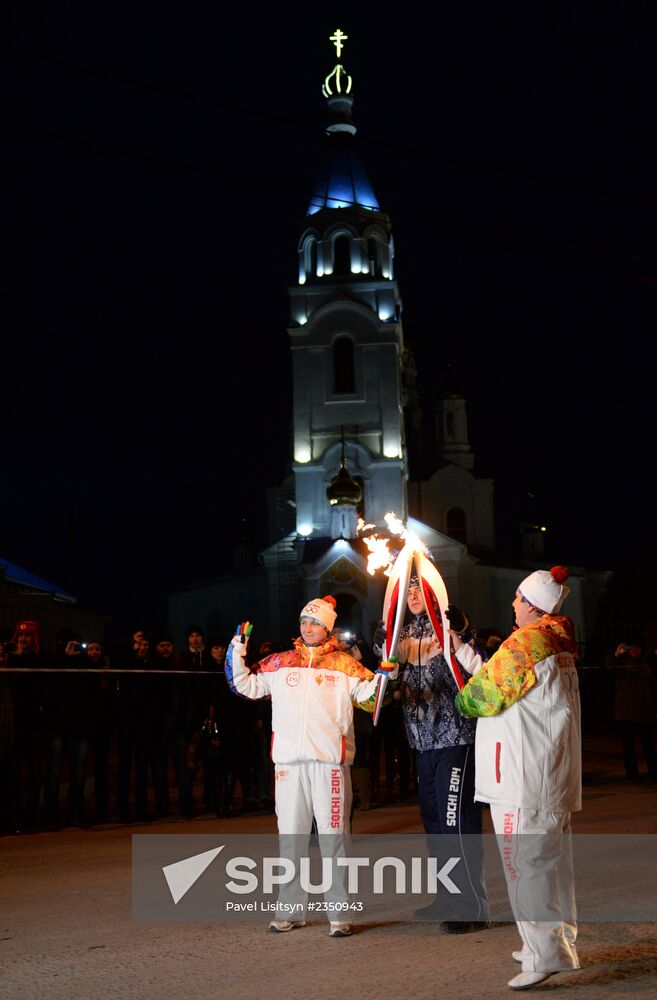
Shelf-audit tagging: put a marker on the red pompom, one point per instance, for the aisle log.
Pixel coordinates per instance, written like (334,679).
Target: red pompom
(330,600)
(560,573)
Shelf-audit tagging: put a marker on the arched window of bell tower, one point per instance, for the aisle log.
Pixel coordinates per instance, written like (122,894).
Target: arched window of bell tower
(341,255)
(449,426)
(344,373)
(373,255)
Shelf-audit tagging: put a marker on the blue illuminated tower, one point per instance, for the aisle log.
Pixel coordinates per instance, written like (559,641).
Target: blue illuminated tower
(346,339)
(356,417)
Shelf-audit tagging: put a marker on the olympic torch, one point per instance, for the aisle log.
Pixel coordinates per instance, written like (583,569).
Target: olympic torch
(394,607)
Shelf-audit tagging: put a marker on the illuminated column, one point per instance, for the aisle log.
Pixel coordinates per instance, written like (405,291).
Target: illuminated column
(346,337)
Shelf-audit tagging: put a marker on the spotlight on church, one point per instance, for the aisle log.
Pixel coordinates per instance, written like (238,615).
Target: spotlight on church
(305,530)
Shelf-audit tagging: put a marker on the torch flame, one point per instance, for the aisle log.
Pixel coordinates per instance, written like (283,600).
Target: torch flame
(380,556)
(409,537)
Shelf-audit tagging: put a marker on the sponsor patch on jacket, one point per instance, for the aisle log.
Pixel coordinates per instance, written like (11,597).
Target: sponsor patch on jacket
(329,679)
(292,678)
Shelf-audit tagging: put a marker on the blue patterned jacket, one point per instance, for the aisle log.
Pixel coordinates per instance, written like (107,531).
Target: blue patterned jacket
(428,691)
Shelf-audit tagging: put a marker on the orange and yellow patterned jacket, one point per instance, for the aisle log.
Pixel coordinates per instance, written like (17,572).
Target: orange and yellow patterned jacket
(528,742)
(313,690)
(510,673)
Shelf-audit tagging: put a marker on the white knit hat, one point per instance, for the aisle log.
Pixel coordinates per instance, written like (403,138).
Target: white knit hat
(546,590)
(322,610)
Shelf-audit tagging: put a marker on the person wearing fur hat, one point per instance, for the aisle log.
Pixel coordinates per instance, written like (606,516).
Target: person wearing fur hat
(313,688)
(528,767)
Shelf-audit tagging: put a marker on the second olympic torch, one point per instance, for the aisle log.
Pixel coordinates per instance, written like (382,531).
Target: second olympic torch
(394,609)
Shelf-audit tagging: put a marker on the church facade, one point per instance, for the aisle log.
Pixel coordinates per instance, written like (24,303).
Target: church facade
(356,418)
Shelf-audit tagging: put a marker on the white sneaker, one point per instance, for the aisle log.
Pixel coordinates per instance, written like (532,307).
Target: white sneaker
(339,930)
(526,980)
(281,926)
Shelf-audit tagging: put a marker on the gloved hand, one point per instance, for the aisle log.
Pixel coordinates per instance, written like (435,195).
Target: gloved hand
(388,667)
(239,643)
(457,620)
(379,636)
(243,632)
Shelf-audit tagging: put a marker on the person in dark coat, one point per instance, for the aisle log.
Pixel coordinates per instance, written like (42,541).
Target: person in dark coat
(213,721)
(102,725)
(8,775)
(68,709)
(142,727)
(634,708)
(184,734)
(28,693)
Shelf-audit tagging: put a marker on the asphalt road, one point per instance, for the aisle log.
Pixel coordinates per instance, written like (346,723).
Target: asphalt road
(66,930)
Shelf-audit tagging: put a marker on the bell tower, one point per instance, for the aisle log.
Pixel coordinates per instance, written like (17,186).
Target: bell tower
(346,337)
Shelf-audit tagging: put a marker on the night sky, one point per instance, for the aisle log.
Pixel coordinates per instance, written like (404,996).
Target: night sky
(160,166)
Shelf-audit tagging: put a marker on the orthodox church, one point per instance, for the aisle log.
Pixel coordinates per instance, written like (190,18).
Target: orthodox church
(356,420)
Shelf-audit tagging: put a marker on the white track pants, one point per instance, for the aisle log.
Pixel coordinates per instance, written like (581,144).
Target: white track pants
(304,790)
(539,876)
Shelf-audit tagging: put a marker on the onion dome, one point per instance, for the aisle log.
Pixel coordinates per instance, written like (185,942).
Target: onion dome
(343,489)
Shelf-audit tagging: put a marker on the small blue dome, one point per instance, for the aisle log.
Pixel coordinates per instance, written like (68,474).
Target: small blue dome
(342,182)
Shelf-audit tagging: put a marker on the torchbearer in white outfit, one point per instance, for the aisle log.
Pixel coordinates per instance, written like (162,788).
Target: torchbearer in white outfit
(313,688)
(528,767)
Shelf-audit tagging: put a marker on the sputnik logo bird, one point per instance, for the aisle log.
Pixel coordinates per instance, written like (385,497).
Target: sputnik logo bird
(182,875)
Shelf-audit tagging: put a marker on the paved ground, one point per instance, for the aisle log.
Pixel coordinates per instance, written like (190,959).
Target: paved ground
(66,931)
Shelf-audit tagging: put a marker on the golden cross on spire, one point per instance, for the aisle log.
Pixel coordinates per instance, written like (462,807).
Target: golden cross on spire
(338,38)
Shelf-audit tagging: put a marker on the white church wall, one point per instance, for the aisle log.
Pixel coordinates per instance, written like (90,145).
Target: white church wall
(454,487)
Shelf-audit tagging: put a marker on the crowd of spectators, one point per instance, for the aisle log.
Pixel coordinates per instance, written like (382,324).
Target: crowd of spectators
(157,729)
(143,730)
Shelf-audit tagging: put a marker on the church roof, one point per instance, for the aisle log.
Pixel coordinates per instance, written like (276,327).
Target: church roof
(314,549)
(342,181)
(16,574)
